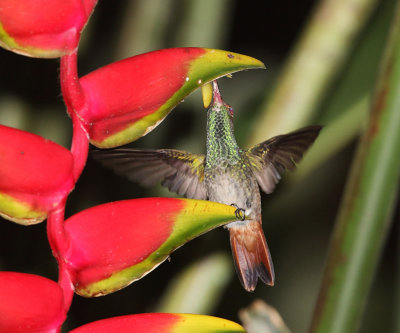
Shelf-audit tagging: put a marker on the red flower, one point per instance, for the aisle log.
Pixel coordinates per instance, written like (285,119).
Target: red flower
(30,303)
(161,323)
(35,175)
(127,99)
(114,244)
(43,28)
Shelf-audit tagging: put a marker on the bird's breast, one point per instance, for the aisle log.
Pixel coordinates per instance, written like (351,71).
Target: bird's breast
(234,185)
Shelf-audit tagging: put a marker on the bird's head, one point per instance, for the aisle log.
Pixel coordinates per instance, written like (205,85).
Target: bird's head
(213,101)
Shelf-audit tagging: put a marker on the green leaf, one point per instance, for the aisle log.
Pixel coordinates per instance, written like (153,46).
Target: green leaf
(366,212)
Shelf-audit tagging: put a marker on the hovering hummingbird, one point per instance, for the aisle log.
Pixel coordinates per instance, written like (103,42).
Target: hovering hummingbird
(226,174)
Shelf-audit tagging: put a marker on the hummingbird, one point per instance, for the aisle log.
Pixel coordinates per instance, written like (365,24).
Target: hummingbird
(225,174)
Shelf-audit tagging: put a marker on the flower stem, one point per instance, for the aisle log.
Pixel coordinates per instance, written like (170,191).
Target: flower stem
(75,101)
(59,243)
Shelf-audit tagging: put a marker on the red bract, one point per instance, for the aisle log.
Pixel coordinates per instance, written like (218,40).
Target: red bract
(35,175)
(127,99)
(43,28)
(114,244)
(30,303)
(161,323)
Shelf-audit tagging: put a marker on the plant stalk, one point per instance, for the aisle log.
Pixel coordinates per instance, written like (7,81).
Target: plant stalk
(75,101)
(59,243)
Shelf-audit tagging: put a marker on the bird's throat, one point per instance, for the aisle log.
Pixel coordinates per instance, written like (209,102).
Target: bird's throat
(221,142)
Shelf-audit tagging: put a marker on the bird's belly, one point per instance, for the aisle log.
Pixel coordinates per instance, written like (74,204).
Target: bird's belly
(228,189)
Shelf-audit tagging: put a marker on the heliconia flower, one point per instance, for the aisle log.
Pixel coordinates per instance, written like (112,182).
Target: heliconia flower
(114,244)
(35,175)
(127,99)
(162,323)
(30,303)
(43,28)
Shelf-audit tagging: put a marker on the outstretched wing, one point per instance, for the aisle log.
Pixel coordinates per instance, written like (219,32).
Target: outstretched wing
(270,158)
(180,171)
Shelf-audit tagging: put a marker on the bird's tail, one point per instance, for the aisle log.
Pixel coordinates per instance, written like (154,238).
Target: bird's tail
(251,255)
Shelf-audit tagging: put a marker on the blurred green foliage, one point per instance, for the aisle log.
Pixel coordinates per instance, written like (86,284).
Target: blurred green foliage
(297,217)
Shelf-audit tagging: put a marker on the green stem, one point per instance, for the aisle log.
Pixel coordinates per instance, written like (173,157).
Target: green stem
(366,212)
(315,61)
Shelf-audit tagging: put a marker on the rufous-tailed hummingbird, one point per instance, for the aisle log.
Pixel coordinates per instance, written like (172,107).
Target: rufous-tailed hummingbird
(226,174)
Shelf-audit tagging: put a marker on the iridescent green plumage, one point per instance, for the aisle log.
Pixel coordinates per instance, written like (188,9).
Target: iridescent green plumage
(225,174)
(221,142)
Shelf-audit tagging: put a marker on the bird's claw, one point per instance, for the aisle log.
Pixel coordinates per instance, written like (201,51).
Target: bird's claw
(239,212)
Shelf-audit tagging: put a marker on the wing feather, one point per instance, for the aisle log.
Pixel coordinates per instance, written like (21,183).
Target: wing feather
(271,158)
(180,171)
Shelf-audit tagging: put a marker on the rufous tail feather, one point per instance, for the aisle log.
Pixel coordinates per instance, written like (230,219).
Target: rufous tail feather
(251,255)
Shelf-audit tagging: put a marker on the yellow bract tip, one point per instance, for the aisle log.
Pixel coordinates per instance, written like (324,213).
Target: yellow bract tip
(206,91)
(205,324)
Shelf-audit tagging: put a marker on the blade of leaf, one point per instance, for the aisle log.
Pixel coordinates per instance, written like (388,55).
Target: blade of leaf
(346,109)
(365,214)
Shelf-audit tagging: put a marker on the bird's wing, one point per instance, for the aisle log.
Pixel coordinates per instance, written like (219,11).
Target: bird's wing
(270,158)
(180,171)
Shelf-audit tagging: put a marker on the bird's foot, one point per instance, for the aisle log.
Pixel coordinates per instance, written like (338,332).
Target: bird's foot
(239,212)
